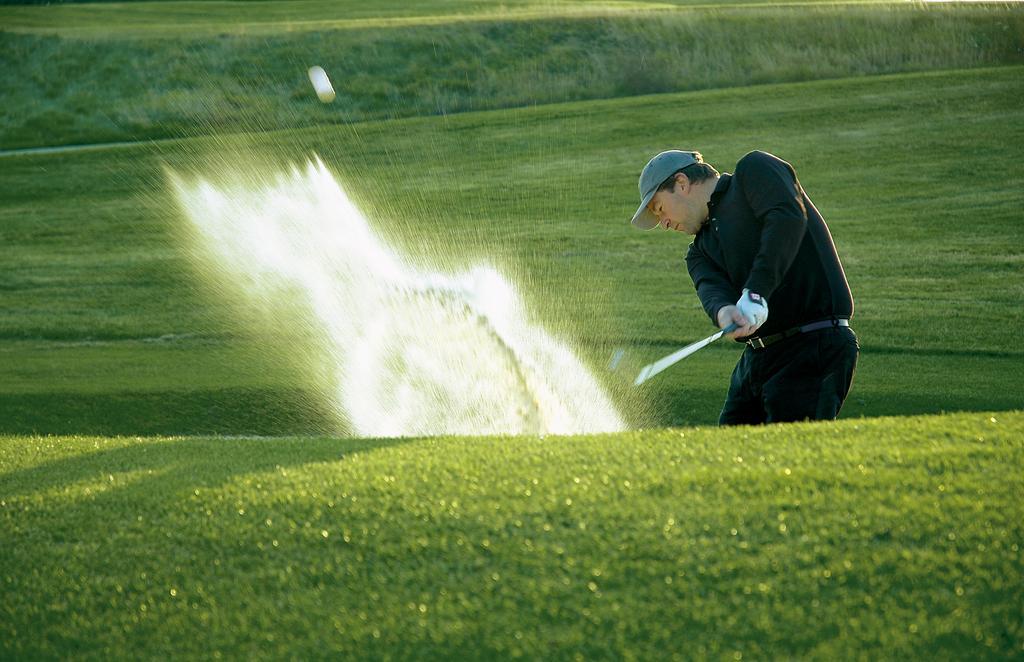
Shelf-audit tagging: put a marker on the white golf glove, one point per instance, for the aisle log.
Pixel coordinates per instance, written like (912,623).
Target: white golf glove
(754,307)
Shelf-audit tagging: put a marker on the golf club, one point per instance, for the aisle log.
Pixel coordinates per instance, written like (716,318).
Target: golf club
(652,369)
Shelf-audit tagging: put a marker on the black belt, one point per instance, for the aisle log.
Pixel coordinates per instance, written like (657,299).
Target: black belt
(761,343)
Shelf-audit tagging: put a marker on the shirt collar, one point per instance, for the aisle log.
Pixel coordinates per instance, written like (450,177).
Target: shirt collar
(720,188)
(723,185)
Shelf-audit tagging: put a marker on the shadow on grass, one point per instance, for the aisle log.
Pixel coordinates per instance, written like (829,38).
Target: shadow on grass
(268,412)
(180,464)
(888,383)
(701,406)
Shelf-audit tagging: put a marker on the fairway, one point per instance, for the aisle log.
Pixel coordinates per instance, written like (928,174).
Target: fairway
(201,458)
(156,354)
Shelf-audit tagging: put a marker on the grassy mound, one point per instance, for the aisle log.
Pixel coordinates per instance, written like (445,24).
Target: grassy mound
(885,538)
(119,83)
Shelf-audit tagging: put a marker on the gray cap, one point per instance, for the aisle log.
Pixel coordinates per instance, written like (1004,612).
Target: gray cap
(657,170)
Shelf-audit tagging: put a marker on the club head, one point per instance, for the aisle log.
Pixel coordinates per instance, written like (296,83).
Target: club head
(613,363)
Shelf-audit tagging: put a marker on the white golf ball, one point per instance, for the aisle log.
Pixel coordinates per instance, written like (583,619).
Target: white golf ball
(321,83)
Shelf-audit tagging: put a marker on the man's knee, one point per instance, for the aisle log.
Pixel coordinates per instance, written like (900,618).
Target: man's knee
(789,401)
(748,414)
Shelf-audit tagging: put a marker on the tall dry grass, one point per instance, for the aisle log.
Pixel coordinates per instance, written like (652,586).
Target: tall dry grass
(61,91)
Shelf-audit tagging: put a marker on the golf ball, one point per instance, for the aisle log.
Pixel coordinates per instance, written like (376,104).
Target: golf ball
(321,83)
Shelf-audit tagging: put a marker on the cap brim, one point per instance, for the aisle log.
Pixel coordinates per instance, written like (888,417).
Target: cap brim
(643,218)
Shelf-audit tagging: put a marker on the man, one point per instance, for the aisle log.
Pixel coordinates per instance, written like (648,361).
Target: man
(759,242)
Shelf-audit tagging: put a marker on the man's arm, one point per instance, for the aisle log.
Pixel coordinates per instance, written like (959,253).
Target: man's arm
(716,293)
(773,193)
(713,287)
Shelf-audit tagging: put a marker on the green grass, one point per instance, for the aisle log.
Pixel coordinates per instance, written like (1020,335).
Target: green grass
(880,539)
(94,273)
(870,538)
(112,86)
(213,17)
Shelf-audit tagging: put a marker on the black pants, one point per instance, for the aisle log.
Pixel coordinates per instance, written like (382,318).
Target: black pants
(803,377)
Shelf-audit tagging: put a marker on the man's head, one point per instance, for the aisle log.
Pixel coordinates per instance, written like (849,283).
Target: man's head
(674,192)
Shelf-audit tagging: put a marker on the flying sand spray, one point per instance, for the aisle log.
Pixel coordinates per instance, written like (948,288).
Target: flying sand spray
(409,352)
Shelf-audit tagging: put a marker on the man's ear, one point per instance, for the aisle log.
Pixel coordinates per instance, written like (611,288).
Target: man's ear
(683,182)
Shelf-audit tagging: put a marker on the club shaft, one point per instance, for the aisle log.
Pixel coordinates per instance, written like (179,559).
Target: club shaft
(661,364)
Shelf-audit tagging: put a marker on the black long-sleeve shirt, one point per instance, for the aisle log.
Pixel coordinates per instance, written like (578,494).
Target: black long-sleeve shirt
(763,233)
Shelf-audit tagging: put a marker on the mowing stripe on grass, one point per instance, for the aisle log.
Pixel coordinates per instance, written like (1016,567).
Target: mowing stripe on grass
(101,20)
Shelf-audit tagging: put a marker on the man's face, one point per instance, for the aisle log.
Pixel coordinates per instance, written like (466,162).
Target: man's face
(678,208)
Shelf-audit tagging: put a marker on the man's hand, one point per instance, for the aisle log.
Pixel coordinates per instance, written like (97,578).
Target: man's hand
(749,313)
(730,314)
(754,307)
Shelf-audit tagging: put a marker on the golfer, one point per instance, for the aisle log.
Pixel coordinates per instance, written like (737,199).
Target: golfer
(759,245)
